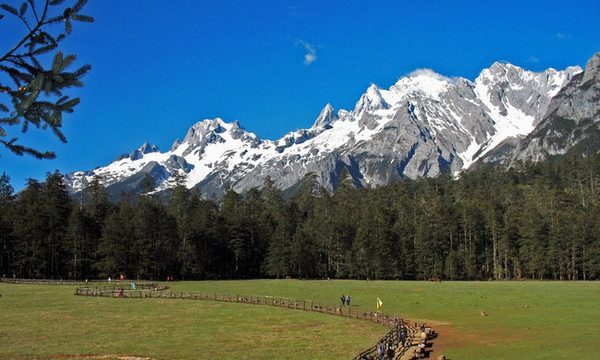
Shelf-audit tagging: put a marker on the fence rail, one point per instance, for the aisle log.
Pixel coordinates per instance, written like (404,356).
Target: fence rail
(392,322)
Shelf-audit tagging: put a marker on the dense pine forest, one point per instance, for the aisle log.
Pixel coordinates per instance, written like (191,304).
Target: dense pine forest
(537,221)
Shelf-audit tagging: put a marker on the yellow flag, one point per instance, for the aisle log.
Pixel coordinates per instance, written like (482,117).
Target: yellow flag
(379,303)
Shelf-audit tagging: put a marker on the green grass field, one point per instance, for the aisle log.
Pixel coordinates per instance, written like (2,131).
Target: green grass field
(526,320)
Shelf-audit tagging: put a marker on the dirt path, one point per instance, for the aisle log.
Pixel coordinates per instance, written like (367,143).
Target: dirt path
(435,345)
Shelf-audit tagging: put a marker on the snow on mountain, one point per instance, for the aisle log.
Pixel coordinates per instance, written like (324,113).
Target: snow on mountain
(517,99)
(424,125)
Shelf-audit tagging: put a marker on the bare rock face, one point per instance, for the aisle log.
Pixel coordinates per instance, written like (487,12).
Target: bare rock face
(571,121)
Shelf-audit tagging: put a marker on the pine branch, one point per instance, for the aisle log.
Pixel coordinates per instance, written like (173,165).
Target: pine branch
(37,86)
(22,150)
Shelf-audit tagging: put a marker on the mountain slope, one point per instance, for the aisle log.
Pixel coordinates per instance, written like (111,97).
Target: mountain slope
(424,125)
(572,120)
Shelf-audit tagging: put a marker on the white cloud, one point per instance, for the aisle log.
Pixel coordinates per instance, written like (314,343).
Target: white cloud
(311,56)
(431,74)
(533,59)
(562,37)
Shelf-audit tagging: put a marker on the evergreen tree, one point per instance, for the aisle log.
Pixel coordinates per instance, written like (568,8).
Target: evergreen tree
(404,226)
(279,227)
(6,227)
(56,209)
(208,241)
(146,185)
(78,263)
(155,236)
(179,207)
(303,250)
(115,248)
(28,233)
(255,228)
(342,216)
(96,209)
(231,218)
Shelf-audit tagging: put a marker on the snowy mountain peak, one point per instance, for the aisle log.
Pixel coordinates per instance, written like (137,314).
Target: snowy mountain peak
(422,82)
(326,117)
(505,72)
(203,129)
(371,100)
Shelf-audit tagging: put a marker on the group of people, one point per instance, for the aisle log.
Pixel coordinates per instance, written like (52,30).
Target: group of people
(345,300)
(386,350)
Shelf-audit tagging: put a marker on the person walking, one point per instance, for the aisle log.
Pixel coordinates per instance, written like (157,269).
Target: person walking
(390,353)
(381,350)
(403,334)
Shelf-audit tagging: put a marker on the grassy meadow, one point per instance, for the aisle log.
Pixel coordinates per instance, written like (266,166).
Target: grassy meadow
(526,320)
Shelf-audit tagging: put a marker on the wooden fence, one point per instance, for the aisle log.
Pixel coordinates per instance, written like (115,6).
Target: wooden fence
(392,322)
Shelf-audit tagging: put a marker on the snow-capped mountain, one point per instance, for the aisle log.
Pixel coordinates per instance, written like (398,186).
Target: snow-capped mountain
(424,125)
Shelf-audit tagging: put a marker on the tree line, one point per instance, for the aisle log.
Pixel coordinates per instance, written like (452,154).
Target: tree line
(535,221)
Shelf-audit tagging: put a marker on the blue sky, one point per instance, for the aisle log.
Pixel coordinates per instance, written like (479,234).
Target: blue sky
(161,66)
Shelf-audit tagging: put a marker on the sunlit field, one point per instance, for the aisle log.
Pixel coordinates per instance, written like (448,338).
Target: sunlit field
(525,320)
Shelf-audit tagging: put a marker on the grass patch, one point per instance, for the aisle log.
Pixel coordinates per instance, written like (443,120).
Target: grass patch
(42,321)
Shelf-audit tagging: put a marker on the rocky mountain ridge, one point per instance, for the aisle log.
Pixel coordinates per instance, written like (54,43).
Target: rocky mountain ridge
(424,125)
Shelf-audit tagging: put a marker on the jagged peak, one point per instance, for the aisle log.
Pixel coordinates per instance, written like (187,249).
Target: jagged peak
(237,131)
(373,88)
(371,100)
(176,144)
(236,125)
(147,148)
(500,65)
(496,70)
(139,153)
(326,117)
(203,128)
